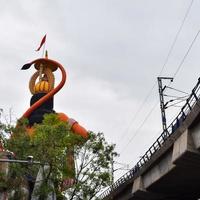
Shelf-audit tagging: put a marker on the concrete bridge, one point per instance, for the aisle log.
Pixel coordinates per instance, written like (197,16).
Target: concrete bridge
(170,169)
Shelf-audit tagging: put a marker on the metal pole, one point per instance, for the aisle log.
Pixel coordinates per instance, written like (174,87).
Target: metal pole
(162,104)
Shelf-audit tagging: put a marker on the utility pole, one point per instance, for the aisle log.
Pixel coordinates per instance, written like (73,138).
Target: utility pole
(162,103)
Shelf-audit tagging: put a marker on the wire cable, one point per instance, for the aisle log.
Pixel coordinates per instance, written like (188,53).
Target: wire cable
(177,90)
(172,96)
(138,129)
(176,37)
(137,112)
(163,67)
(179,66)
(180,101)
(186,54)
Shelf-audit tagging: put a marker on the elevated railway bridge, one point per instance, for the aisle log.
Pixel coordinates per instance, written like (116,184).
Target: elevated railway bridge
(170,169)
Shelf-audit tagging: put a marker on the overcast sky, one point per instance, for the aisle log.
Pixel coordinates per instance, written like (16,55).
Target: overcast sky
(112,50)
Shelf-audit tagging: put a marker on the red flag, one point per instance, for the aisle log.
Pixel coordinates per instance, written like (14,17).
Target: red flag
(42,42)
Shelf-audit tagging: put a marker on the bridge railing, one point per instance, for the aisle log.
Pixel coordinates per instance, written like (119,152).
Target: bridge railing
(185,110)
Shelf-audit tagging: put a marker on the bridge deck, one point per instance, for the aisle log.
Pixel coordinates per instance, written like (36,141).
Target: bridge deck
(170,168)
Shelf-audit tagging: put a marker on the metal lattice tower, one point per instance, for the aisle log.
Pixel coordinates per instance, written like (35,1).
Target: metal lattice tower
(162,103)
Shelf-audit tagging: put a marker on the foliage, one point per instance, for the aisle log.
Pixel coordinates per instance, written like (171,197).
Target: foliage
(49,144)
(92,167)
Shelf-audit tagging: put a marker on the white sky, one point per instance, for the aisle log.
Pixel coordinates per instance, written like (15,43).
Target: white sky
(113,50)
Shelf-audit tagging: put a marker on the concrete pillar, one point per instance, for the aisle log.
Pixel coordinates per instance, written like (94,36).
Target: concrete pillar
(138,185)
(159,170)
(184,151)
(195,133)
(140,193)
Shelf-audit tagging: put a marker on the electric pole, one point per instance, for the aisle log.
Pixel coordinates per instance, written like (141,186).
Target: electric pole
(162,103)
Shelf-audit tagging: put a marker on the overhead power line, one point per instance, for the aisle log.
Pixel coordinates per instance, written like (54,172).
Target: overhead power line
(163,67)
(139,128)
(137,112)
(176,90)
(186,54)
(176,37)
(179,66)
(166,105)
(149,113)
(177,97)
(180,101)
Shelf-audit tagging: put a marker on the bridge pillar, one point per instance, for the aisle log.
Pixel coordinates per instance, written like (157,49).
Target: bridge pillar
(195,132)
(184,150)
(138,185)
(140,193)
(172,172)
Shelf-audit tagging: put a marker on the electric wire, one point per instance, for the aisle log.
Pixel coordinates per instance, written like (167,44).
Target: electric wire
(183,99)
(172,96)
(182,61)
(162,69)
(137,112)
(177,90)
(176,37)
(176,99)
(176,103)
(177,106)
(138,129)
(176,72)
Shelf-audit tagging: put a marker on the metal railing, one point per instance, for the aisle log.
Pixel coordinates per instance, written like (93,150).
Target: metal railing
(21,161)
(185,110)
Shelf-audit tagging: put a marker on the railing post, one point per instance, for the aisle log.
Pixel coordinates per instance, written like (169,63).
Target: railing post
(188,104)
(194,94)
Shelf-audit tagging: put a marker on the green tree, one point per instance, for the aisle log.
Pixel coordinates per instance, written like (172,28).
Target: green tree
(51,141)
(93,168)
